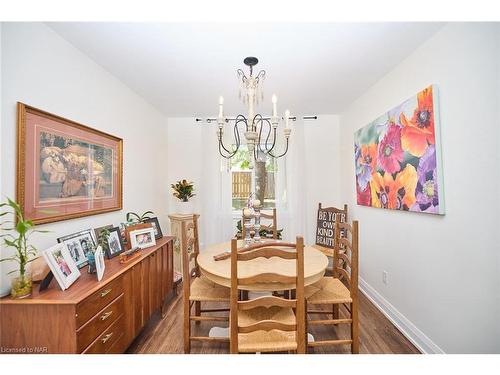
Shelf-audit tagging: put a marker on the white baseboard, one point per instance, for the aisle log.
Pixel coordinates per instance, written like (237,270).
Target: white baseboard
(423,343)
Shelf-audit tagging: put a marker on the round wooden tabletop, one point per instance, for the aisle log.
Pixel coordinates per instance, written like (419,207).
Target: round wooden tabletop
(315,263)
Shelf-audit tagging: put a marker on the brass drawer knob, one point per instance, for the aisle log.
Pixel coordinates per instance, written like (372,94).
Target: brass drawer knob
(105,293)
(106,338)
(106,315)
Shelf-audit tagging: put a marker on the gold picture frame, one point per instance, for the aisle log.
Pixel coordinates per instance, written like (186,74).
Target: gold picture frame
(65,170)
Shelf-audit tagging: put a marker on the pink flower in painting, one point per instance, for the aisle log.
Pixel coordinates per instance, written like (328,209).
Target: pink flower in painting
(390,153)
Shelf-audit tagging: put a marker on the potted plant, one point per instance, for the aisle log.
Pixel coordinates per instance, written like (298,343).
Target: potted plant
(102,241)
(134,218)
(16,234)
(183,191)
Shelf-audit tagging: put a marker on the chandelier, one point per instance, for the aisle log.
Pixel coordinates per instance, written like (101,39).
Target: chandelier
(260,132)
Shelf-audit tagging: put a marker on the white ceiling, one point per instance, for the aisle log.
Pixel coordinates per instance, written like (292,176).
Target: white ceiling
(182,68)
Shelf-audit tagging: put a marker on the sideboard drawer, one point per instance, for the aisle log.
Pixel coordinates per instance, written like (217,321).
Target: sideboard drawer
(95,326)
(91,305)
(105,341)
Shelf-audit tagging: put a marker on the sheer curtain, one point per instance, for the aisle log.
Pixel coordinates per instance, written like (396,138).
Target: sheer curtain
(216,216)
(291,185)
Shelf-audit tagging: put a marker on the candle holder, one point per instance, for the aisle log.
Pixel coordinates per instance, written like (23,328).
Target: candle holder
(248,227)
(247,221)
(256,236)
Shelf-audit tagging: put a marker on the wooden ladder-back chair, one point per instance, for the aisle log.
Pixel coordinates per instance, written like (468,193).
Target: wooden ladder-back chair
(272,226)
(198,289)
(339,289)
(269,323)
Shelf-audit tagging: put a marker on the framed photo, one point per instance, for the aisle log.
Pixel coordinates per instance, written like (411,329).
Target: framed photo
(142,238)
(123,231)
(65,169)
(115,243)
(78,245)
(133,227)
(62,265)
(156,226)
(100,265)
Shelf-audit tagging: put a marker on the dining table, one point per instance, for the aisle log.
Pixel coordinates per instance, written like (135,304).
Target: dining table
(219,271)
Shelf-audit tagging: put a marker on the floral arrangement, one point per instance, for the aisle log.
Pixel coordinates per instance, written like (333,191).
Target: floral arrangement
(396,158)
(183,190)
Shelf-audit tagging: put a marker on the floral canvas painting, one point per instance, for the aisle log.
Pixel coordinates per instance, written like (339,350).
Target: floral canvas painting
(398,158)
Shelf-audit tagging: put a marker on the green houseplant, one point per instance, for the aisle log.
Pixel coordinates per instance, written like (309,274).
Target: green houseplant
(183,190)
(134,218)
(102,240)
(16,233)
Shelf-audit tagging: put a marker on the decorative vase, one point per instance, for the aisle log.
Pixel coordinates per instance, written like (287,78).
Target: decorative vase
(22,286)
(91,260)
(185,208)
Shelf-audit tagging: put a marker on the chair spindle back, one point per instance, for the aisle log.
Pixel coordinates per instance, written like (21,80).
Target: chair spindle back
(345,254)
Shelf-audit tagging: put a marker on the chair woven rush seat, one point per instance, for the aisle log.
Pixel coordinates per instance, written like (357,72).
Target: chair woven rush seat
(327,291)
(203,289)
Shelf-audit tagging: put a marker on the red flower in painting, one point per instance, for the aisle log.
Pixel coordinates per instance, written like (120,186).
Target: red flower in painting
(390,153)
(364,197)
(418,132)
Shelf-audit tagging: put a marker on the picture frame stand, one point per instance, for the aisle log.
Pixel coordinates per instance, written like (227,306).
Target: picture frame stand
(44,284)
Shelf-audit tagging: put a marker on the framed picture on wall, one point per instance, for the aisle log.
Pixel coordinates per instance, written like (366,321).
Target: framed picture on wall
(65,169)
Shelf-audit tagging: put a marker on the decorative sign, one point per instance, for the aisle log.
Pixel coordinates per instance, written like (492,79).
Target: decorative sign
(325,230)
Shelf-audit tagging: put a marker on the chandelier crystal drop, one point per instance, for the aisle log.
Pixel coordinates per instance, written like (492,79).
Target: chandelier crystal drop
(260,131)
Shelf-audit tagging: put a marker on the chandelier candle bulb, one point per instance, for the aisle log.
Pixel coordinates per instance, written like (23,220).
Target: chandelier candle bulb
(274,100)
(287,118)
(221,107)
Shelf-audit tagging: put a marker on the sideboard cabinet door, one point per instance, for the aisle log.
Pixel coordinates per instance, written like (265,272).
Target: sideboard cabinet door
(167,271)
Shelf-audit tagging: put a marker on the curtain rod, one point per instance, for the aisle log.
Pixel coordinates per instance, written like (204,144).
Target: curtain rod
(294,118)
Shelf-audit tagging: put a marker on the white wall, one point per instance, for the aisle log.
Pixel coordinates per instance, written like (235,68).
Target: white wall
(321,164)
(314,148)
(41,69)
(444,283)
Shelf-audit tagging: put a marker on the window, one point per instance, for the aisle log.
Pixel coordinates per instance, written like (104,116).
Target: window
(261,180)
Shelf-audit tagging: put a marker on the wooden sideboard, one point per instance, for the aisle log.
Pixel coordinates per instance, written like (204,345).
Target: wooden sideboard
(91,316)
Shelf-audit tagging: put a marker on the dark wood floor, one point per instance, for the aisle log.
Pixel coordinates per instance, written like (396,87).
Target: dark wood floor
(377,334)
